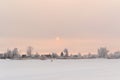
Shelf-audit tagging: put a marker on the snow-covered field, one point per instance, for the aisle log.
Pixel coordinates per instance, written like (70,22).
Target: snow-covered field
(93,69)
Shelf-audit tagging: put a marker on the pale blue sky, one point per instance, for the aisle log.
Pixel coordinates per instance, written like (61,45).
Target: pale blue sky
(94,21)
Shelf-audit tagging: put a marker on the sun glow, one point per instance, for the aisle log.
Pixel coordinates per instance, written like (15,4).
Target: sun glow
(57,38)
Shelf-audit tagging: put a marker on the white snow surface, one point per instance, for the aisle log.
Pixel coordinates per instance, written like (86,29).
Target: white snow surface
(86,69)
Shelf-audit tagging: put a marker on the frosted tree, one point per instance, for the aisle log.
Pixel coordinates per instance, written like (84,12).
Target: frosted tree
(79,55)
(54,55)
(117,54)
(15,53)
(8,54)
(102,53)
(29,51)
(65,51)
(37,55)
(62,54)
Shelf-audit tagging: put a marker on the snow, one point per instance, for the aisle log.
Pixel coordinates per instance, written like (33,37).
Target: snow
(86,69)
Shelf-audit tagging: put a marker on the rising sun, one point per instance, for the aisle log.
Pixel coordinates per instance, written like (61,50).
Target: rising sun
(57,38)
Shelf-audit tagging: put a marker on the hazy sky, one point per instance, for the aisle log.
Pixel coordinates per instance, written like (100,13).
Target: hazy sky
(82,25)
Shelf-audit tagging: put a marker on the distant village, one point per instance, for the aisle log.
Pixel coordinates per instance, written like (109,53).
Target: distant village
(15,55)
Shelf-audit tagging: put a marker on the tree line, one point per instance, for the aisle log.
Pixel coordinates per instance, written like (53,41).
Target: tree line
(15,54)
